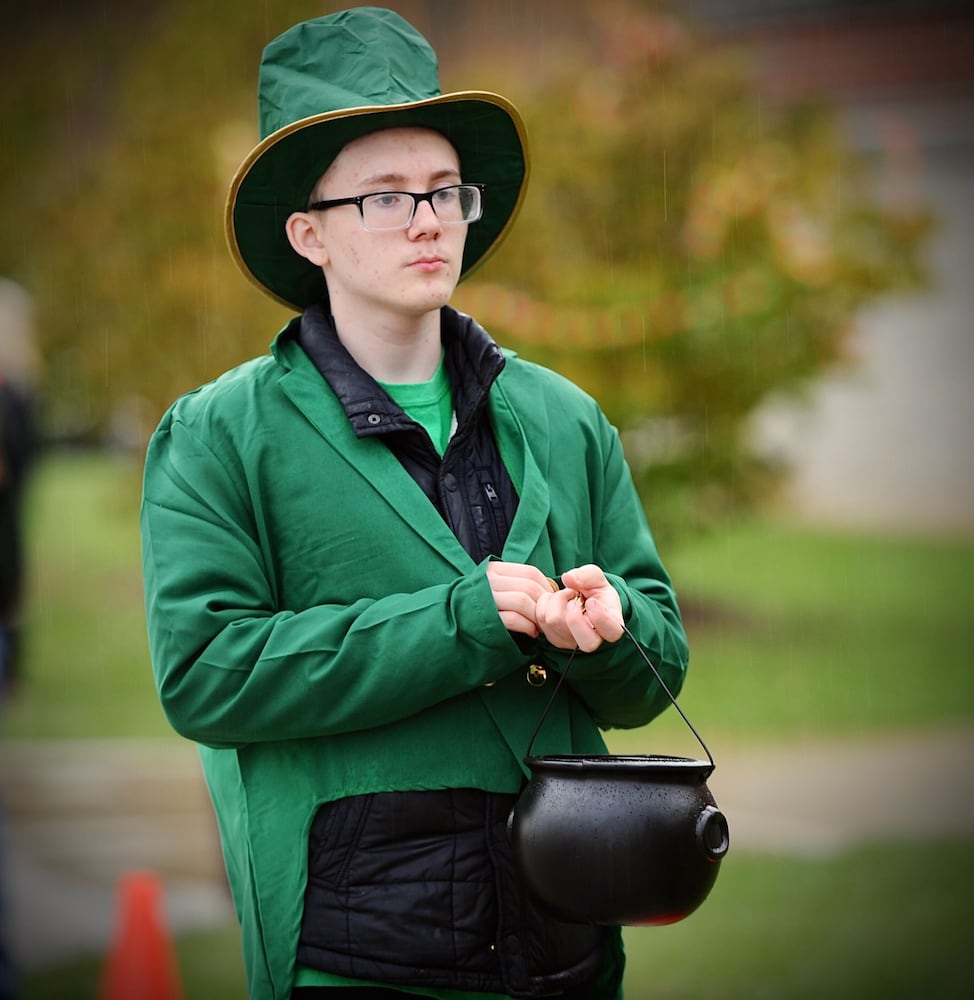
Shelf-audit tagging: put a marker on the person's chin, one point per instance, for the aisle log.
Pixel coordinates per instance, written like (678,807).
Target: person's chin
(434,294)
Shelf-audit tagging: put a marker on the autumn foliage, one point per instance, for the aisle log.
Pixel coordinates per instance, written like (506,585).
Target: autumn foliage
(686,250)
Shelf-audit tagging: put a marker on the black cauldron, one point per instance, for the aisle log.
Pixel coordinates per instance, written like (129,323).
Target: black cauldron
(618,840)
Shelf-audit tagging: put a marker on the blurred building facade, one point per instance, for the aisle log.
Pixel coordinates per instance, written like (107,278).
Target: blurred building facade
(886,444)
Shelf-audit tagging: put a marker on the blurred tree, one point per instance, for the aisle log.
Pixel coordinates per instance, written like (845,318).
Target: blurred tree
(126,132)
(682,253)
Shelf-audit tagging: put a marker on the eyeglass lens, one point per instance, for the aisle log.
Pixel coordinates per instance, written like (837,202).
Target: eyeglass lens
(395,209)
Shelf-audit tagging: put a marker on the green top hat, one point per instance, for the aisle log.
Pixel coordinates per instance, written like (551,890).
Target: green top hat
(332,79)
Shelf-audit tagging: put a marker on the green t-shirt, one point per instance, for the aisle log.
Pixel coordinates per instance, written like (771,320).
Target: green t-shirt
(429,404)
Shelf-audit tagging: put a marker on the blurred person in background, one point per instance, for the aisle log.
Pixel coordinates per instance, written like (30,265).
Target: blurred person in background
(365,552)
(18,447)
(18,450)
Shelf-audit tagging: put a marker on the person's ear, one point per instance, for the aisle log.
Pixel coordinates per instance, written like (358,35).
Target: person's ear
(304,236)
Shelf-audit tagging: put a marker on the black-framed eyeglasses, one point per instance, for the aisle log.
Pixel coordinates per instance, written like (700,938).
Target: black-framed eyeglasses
(388,210)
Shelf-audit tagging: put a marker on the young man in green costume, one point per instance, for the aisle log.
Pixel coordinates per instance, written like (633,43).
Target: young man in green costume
(365,551)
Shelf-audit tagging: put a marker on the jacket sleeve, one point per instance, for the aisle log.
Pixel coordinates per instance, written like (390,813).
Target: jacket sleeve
(615,683)
(233,668)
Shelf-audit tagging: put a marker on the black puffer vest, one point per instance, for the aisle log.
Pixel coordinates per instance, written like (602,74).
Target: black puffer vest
(419,888)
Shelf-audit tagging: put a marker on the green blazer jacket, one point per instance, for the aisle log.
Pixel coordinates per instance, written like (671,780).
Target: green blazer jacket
(316,627)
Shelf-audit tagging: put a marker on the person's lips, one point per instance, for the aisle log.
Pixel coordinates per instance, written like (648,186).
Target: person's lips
(428,264)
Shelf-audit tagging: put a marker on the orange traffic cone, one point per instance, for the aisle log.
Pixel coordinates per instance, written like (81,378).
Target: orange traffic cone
(141,964)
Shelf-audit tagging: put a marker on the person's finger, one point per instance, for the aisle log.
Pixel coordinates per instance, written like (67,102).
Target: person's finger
(516,588)
(515,622)
(524,571)
(585,578)
(516,601)
(550,615)
(607,620)
(583,631)
(518,576)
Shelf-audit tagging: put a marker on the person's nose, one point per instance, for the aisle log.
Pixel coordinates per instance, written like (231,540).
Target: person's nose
(425,220)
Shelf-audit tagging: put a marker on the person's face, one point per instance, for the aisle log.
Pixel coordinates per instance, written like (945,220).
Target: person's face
(405,272)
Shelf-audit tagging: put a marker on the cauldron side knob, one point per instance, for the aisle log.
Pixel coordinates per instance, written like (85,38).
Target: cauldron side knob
(713,835)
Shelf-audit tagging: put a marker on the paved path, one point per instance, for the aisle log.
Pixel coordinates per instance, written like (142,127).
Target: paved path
(79,815)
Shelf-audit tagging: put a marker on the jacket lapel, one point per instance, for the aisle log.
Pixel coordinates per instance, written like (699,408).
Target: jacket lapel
(528,539)
(371,459)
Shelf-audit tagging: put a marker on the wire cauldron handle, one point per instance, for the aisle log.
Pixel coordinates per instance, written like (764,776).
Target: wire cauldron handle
(642,652)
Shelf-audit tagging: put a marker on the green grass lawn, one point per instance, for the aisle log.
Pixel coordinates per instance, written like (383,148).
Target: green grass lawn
(803,633)
(86,661)
(794,633)
(884,922)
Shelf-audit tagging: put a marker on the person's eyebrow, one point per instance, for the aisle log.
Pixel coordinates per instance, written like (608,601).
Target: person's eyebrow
(392,178)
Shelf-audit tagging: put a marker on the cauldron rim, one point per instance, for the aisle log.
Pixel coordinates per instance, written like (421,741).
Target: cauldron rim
(630,765)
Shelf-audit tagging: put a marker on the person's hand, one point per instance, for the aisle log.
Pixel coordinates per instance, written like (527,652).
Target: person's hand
(517,588)
(585,613)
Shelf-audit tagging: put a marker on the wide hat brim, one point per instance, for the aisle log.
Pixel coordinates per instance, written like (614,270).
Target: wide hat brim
(279,174)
